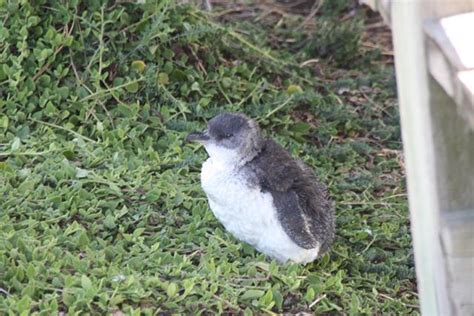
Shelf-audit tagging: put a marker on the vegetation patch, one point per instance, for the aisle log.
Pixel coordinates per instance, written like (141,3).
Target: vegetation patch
(100,204)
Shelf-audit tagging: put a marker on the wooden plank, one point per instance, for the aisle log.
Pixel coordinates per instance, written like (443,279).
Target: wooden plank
(425,175)
(466,310)
(450,55)
(455,27)
(461,284)
(413,95)
(435,31)
(426,155)
(457,233)
(431,9)
(466,95)
(467,79)
(441,67)
(459,243)
(454,158)
(454,165)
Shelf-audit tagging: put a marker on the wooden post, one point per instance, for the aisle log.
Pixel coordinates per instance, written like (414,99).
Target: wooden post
(437,149)
(417,131)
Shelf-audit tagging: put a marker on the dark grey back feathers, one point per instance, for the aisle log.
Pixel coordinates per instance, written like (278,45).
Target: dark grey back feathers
(303,205)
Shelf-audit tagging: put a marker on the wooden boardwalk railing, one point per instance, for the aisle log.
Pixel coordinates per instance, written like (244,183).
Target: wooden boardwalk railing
(434,59)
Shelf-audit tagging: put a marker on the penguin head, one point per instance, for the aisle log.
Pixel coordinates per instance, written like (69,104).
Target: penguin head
(230,138)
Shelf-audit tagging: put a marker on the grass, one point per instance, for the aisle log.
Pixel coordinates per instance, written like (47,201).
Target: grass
(101,207)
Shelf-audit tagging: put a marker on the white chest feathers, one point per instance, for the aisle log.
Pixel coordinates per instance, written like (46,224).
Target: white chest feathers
(249,214)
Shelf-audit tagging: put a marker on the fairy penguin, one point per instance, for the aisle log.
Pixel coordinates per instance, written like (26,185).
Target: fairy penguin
(261,194)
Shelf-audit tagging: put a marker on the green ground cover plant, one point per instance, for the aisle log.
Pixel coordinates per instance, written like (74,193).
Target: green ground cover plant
(101,210)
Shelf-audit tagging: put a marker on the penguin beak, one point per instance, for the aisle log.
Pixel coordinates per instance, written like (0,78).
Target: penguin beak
(199,137)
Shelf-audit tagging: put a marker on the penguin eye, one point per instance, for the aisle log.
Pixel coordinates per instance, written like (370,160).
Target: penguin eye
(226,136)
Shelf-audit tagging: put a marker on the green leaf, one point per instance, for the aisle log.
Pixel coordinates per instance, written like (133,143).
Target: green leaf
(3,72)
(153,195)
(83,240)
(44,80)
(63,92)
(293,88)
(109,222)
(72,228)
(23,304)
(171,289)
(5,167)
(81,173)
(267,299)
(68,298)
(86,283)
(16,144)
(310,295)
(153,48)
(31,272)
(300,128)
(125,110)
(195,86)
(69,154)
(188,286)
(252,294)
(178,75)
(132,87)
(4,121)
(138,66)
(278,299)
(168,53)
(50,109)
(138,232)
(163,78)
(227,82)
(45,53)
(100,126)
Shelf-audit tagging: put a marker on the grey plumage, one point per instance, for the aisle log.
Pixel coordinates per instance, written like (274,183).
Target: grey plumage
(301,203)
